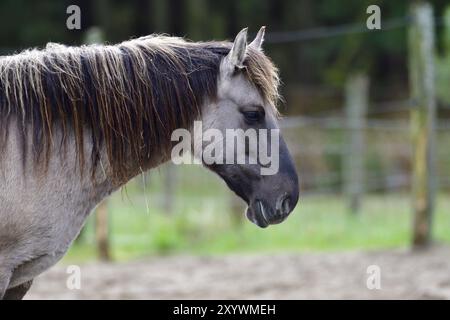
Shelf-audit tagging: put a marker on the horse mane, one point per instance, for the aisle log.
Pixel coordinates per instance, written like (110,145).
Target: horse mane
(128,97)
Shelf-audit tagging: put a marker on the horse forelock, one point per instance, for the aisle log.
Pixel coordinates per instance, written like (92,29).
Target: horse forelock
(128,97)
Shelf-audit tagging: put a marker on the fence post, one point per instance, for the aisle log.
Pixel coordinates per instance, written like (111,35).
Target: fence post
(422,83)
(102,231)
(356,104)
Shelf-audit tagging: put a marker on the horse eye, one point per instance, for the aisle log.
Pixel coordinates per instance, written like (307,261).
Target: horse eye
(252,116)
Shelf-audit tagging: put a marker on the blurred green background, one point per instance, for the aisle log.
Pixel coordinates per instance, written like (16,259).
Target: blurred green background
(189,210)
(202,222)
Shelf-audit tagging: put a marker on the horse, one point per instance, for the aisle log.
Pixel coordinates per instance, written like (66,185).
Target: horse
(78,122)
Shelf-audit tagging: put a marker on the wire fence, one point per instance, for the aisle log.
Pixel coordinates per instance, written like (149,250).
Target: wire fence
(325,32)
(334,119)
(333,31)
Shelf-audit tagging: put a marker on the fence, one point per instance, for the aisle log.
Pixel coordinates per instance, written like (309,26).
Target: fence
(421,106)
(357,120)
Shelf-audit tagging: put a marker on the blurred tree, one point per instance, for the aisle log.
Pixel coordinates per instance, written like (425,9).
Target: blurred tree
(177,10)
(328,60)
(143,14)
(443,63)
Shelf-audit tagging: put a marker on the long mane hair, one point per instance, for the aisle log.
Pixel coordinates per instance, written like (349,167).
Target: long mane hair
(128,97)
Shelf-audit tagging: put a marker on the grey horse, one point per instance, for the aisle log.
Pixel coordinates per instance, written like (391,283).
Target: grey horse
(77,123)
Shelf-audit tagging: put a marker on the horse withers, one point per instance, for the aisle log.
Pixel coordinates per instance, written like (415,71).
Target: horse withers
(77,123)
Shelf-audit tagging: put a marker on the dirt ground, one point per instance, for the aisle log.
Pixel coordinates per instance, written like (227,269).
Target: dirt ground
(404,275)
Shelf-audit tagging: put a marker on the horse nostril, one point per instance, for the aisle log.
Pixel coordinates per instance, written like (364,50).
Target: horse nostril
(283,205)
(286,206)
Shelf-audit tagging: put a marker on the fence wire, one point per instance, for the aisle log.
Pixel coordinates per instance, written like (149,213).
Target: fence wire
(335,119)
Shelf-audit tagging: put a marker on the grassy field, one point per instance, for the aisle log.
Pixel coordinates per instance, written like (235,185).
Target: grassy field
(201,222)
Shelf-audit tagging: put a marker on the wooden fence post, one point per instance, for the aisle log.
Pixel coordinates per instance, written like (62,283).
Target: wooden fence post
(422,83)
(102,231)
(356,104)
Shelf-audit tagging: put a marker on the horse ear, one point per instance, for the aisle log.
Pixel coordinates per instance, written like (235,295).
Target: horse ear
(259,39)
(236,56)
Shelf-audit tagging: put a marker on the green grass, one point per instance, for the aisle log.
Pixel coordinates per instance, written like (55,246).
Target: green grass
(202,224)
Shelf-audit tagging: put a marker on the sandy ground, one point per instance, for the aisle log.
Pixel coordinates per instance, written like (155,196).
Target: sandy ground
(404,275)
